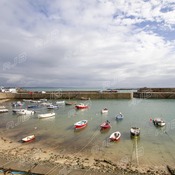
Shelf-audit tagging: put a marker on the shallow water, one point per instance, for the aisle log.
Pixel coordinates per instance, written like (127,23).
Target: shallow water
(155,146)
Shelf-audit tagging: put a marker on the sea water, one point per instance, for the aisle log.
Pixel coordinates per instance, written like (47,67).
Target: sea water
(154,147)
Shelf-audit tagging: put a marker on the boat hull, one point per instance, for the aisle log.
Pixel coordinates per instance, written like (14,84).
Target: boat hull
(25,112)
(28,138)
(115,136)
(81,107)
(48,115)
(105,126)
(135,132)
(3,110)
(81,124)
(158,122)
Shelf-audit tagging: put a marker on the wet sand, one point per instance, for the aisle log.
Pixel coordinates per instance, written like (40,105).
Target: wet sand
(24,156)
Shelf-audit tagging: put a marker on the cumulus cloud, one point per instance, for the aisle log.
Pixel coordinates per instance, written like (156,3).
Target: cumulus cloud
(80,43)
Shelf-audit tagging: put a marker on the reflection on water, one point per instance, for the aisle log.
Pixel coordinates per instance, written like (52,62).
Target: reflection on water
(155,145)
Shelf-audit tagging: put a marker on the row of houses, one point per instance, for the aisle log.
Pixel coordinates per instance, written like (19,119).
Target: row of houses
(11,90)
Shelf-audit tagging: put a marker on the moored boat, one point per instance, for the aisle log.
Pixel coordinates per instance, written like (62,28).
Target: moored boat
(115,136)
(120,116)
(18,103)
(24,112)
(70,103)
(104,111)
(60,102)
(158,122)
(32,106)
(135,132)
(52,107)
(81,106)
(81,124)
(3,110)
(47,115)
(28,138)
(105,125)
(15,110)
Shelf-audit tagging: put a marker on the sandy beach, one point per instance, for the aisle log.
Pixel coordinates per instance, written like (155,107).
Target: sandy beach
(25,156)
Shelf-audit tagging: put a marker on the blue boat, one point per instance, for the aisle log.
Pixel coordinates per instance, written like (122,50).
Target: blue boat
(17,172)
(32,106)
(119,116)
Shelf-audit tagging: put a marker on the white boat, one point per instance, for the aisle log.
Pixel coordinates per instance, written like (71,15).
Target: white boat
(46,104)
(18,103)
(24,112)
(104,111)
(158,122)
(43,100)
(135,132)
(35,101)
(15,110)
(47,115)
(115,136)
(26,100)
(2,107)
(52,107)
(2,110)
(28,138)
(60,102)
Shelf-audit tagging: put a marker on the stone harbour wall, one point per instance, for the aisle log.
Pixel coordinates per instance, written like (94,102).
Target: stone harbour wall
(68,95)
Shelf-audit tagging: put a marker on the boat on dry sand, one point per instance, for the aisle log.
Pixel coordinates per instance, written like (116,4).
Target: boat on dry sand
(28,138)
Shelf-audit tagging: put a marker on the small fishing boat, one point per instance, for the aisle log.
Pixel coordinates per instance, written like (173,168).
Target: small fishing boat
(35,101)
(120,116)
(81,106)
(28,138)
(135,132)
(84,98)
(104,111)
(60,102)
(32,106)
(24,112)
(13,171)
(52,107)
(105,125)
(43,100)
(81,124)
(47,115)
(70,103)
(18,103)
(158,122)
(15,110)
(46,104)
(115,136)
(3,110)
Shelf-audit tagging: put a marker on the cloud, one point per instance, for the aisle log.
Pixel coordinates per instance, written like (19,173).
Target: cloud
(83,43)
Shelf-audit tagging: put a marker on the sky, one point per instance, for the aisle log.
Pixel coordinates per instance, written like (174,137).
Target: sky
(81,43)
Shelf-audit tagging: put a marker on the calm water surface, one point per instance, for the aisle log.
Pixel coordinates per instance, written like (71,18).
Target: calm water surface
(155,146)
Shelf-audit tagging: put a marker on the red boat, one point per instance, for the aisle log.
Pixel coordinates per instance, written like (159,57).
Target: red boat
(81,124)
(115,136)
(105,125)
(81,106)
(28,138)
